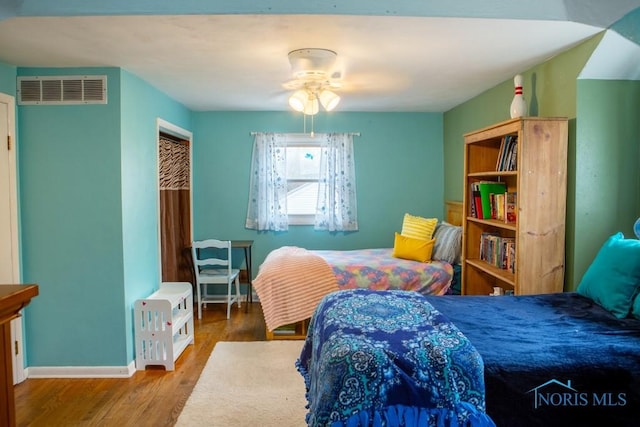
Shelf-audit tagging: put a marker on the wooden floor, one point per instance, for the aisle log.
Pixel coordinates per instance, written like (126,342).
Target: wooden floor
(152,397)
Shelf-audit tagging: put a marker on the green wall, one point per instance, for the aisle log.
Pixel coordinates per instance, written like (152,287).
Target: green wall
(398,169)
(549,89)
(607,185)
(602,133)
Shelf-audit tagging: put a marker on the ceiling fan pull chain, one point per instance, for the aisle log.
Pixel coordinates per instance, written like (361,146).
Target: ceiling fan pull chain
(312,134)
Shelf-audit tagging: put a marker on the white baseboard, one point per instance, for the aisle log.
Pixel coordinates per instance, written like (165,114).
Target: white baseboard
(81,371)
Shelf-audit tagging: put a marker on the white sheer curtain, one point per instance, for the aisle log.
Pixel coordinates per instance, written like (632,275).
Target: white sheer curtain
(267,208)
(337,208)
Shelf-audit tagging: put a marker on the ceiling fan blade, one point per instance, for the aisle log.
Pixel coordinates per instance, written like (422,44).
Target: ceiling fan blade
(294,84)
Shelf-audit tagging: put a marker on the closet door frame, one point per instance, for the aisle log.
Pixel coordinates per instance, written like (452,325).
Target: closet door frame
(164,126)
(11,266)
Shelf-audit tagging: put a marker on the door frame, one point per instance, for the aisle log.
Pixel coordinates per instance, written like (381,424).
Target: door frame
(17,336)
(163,126)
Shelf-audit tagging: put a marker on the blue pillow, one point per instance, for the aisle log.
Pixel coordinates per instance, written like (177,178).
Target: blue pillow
(613,277)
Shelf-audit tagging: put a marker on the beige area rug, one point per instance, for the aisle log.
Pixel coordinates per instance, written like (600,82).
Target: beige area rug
(248,384)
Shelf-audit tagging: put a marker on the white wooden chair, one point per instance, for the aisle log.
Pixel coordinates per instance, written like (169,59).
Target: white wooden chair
(212,266)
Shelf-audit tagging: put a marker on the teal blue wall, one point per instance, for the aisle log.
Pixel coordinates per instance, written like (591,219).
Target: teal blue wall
(627,26)
(8,78)
(399,169)
(546,9)
(88,177)
(9,8)
(141,105)
(89,202)
(71,222)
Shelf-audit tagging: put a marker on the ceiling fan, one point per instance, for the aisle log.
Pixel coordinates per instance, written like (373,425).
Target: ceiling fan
(314,80)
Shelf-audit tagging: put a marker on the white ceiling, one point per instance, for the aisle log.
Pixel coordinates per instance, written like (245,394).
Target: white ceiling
(239,62)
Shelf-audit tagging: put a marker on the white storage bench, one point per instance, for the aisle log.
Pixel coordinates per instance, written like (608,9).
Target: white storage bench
(164,325)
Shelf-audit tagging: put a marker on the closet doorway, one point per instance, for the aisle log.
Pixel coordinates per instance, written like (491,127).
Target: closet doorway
(175,203)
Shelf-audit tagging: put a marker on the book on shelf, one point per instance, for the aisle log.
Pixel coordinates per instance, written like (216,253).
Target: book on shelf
(508,154)
(503,141)
(510,206)
(511,261)
(498,251)
(498,206)
(472,202)
(487,188)
(476,201)
(513,155)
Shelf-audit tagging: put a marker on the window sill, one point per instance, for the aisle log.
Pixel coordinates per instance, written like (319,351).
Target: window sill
(301,219)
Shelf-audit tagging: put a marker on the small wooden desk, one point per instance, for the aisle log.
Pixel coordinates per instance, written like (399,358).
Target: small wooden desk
(12,299)
(246,246)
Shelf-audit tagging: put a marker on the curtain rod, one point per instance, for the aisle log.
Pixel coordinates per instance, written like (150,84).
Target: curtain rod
(305,134)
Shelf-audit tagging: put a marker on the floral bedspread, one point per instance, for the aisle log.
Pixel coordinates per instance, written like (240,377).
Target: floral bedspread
(388,358)
(377,269)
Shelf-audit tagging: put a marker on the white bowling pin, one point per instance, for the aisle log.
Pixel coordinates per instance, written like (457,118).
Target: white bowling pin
(518,105)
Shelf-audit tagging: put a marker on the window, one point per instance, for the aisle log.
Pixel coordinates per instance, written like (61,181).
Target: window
(303,173)
(302,180)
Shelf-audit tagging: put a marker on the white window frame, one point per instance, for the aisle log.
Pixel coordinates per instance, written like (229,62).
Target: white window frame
(297,140)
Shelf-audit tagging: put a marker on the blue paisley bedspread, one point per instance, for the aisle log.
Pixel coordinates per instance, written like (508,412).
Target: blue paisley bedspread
(388,358)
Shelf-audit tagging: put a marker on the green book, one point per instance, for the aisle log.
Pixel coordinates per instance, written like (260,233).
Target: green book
(486,189)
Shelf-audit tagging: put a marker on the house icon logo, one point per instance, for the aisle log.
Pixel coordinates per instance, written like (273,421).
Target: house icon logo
(554,393)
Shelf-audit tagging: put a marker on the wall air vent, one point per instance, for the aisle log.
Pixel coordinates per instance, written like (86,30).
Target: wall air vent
(62,90)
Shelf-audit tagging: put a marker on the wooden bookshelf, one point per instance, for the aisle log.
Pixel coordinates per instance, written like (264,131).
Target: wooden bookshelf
(540,181)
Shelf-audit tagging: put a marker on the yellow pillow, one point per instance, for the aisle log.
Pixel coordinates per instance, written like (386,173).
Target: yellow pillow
(413,249)
(418,227)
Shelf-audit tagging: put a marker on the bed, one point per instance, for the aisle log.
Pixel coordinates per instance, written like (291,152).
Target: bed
(378,269)
(292,280)
(552,360)
(387,358)
(555,359)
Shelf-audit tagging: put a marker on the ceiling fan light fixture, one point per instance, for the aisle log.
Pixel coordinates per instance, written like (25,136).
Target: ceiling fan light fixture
(312,68)
(311,107)
(311,62)
(298,100)
(329,100)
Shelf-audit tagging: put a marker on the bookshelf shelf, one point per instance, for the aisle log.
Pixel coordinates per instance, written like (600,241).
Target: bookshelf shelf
(493,174)
(494,223)
(534,149)
(506,277)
